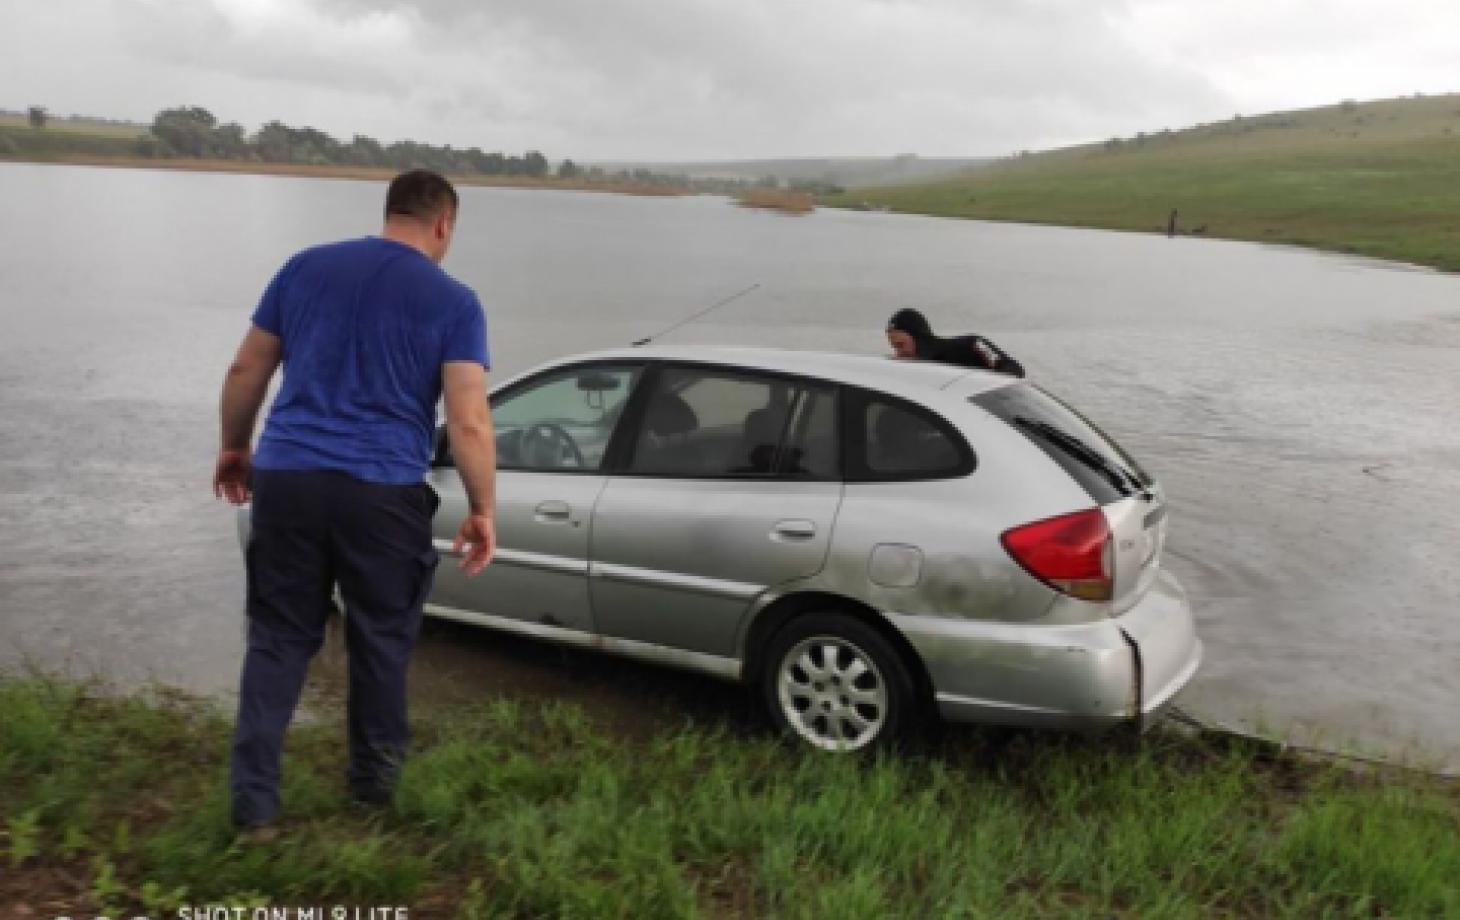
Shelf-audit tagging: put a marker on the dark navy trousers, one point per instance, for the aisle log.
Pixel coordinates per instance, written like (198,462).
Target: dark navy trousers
(312,531)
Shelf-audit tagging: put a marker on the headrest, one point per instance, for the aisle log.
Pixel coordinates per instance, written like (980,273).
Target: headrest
(763,426)
(669,414)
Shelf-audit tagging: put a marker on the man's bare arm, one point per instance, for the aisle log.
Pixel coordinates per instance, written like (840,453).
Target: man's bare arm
(244,387)
(246,384)
(474,450)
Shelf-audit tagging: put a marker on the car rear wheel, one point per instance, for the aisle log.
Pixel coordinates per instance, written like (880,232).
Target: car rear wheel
(836,683)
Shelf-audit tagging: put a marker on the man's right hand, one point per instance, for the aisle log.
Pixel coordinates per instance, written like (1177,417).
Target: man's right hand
(476,543)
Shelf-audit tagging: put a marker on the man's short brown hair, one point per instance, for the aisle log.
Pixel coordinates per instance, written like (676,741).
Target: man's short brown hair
(421,194)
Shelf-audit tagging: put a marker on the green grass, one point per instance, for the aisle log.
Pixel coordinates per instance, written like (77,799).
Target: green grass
(54,143)
(1379,179)
(510,809)
(88,126)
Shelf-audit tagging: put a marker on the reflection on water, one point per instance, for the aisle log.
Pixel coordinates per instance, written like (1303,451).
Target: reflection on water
(1295,405)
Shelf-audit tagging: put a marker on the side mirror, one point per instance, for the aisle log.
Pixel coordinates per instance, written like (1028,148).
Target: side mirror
(441,449)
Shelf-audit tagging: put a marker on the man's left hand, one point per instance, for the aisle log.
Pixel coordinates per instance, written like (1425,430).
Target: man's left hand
(230,477)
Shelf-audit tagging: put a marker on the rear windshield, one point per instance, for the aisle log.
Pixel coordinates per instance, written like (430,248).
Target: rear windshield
(1093,460)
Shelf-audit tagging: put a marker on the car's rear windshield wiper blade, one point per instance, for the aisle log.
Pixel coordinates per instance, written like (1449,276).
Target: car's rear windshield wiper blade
(1119,478)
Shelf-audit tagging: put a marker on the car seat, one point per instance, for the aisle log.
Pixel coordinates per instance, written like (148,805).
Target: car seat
(665,446)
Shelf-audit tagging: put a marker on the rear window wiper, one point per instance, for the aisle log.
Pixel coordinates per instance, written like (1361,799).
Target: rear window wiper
(1073,446)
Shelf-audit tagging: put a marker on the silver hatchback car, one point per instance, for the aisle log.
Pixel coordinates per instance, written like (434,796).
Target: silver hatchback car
(863,540)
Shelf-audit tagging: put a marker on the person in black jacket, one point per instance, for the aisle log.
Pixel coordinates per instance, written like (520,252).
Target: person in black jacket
(911,336)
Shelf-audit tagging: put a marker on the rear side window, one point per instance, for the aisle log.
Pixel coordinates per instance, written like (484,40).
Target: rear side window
(706,422)
(1093,460)
(891,439)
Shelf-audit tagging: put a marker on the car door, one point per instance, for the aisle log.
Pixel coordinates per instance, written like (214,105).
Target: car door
(552,434)
(728,485)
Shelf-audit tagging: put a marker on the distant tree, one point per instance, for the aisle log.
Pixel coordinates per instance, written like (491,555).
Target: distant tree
(37,116)
(535,164)
(276,142)
(187,130)
(1349,105)
(474,160)
(273,141)
(569,170)
(314,146)
(365,151)
(230,141)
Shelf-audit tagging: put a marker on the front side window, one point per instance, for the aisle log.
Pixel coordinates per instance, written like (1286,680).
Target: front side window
(712,423)
(562,421)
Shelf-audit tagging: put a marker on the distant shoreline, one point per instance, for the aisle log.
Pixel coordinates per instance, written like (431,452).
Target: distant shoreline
(365,173)
(1376,179)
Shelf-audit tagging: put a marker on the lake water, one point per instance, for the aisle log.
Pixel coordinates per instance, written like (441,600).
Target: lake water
(1299,407)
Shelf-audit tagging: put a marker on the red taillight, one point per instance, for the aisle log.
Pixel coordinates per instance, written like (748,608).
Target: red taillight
(1070,553)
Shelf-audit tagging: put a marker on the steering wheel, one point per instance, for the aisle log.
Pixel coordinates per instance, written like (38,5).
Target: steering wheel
(547,445)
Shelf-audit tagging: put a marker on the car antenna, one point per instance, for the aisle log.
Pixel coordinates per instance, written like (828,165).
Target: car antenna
(714,306)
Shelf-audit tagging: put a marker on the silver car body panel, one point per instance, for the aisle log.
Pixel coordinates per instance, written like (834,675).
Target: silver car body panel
(540,574)
(1138,532)
(678,561)
(1061,676)
(713,665)
(678,571)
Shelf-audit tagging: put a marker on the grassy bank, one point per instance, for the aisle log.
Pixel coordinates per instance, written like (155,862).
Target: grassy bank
(512,809)
(1378,178)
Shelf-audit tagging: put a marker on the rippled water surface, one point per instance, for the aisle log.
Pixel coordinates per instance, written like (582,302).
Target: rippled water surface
(1300,408)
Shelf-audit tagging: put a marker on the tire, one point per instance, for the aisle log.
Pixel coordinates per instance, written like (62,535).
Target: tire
(837,684)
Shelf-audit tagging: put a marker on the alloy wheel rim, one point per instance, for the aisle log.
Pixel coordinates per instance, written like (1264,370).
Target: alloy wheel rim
(832,693)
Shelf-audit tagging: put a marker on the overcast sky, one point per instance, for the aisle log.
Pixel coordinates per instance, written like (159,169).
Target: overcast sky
(709,79)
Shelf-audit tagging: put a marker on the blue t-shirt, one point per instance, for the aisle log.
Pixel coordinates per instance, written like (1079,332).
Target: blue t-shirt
(365,325)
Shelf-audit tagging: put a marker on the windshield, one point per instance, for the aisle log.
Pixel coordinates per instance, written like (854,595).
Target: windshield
(1093,460)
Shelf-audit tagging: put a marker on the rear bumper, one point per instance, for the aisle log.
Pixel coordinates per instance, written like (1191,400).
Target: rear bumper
(1086,676)
(1162,632)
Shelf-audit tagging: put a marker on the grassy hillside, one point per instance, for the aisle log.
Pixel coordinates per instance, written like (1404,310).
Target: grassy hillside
(1377,178)
(77,124)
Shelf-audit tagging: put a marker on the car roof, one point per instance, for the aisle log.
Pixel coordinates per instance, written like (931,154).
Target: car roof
(879,372)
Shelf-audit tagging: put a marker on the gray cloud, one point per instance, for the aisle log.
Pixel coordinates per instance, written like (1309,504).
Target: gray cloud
(718,78)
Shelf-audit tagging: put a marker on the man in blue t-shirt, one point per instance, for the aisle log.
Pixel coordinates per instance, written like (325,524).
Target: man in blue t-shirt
(371,333)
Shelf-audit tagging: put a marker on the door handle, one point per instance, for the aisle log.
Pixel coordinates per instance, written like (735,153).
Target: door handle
(794,529)
(553,511)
